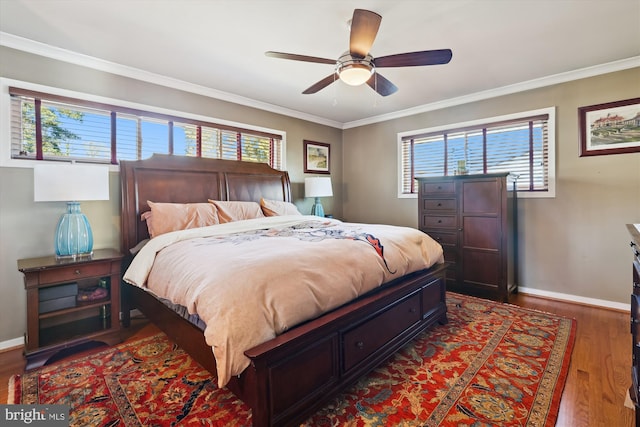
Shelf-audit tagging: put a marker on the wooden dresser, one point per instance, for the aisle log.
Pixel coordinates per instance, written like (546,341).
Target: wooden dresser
(474,219)
(634,391)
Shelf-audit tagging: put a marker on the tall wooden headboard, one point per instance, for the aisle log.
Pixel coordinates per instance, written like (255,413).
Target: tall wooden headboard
(183,179)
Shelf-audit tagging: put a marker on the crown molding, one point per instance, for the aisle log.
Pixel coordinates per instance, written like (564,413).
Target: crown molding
(43,49)
(48,51)
(582,73)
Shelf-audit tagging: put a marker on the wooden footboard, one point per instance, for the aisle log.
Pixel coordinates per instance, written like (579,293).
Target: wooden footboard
(295,374)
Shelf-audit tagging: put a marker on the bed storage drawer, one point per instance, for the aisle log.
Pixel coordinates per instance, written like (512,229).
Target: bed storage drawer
(371,335)
(292,379)
(432,298)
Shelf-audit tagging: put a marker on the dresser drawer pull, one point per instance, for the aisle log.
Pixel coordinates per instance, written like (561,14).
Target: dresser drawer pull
(632,244)
(635,321)
(412,310)
(636,285)
(439,221)
(439,204)
(77,272)
(360,345)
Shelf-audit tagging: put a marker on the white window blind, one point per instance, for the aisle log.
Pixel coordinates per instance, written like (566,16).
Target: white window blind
(49,127)
(519,145)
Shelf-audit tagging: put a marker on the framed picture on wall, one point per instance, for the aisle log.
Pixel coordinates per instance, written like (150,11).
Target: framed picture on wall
(611,128)
(317,157)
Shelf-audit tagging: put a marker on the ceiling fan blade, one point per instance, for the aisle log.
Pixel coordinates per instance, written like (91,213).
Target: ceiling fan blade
(411,59)
(321,84)
(364,28)
(381,85)
(304,58)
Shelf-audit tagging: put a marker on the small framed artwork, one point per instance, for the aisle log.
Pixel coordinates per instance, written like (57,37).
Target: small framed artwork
(611,128)
(317,157)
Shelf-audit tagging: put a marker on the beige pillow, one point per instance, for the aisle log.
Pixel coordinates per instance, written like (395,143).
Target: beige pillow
(166,217)
(229,211)
(278,207)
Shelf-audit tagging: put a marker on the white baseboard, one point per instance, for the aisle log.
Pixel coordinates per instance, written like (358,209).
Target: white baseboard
(11,344)
(620,306)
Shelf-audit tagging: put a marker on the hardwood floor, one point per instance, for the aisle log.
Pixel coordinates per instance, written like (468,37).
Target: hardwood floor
(598,378)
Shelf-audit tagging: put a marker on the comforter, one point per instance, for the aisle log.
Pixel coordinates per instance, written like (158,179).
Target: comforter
(252,280)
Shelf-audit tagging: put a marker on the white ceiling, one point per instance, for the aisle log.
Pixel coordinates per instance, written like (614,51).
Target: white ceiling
(216,47)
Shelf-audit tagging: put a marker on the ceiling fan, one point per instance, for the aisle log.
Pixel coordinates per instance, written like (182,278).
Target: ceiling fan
(357,66)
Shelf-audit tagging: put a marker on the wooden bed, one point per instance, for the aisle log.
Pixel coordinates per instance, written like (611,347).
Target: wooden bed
(295,374)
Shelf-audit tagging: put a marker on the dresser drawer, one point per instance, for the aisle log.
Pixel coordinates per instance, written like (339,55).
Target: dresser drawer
(440,221)
(75,272)
(365,339)
(439,204)
(439,187)
(443,237)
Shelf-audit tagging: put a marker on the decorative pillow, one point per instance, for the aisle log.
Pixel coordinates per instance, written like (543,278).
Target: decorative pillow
(278,207)
(166,217)
(229,211)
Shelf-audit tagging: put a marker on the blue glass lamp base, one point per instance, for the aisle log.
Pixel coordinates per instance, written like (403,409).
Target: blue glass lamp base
(74,237)
(317,208)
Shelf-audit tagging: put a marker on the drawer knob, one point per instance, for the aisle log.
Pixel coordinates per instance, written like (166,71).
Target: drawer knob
(412,310)
(636,285)
(439,204)
(439,221)
(632,244)
(77,272)
(360,345)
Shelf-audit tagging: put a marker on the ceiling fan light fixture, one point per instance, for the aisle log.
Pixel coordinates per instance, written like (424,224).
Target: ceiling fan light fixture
(354,71)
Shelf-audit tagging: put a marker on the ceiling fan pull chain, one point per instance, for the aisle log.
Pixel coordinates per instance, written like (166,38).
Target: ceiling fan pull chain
(375,88)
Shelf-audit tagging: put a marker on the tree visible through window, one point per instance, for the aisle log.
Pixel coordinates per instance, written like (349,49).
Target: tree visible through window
(49,127)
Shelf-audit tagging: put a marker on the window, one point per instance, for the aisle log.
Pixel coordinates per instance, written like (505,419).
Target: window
(521,144)
(52,127)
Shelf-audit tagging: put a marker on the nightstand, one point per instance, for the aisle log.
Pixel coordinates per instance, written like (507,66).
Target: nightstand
(70,302)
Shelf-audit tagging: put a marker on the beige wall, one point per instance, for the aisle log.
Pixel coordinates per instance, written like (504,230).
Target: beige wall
(26,228)
(575,243)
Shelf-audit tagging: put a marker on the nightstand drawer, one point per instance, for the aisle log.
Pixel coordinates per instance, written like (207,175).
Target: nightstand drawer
(75,272)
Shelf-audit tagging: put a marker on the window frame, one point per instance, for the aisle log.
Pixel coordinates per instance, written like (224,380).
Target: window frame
(551,126)
(6,159)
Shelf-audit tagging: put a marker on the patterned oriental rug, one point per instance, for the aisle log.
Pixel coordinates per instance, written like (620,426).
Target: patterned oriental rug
(492,365)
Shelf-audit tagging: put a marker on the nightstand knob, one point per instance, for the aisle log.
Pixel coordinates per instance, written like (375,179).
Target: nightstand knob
(360,345)
(77,272)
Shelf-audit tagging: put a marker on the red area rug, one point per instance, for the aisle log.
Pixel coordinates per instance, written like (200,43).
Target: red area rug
(492,364)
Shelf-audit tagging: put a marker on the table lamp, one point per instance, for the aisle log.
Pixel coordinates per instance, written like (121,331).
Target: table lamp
(71,183)
(317,187)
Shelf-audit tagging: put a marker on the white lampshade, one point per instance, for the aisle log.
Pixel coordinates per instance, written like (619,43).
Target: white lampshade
(317,187)
(70,182)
